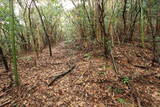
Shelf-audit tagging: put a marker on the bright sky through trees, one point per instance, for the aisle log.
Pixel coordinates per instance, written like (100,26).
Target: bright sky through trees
(67,5)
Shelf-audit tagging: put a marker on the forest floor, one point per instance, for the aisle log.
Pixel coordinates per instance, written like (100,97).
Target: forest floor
(92,83)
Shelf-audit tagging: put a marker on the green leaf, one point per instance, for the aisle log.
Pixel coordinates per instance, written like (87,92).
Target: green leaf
(125,80)
(121,100)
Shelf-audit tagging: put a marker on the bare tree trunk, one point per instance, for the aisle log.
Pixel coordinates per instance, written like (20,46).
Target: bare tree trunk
(133,18)
(4,60)
(101,26)
(152,34)
(132,27)
(44,28)
(13,39)
(91,22)
(124,20)
(31,30)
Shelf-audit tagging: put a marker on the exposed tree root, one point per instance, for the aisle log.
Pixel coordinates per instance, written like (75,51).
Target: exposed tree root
(55,78)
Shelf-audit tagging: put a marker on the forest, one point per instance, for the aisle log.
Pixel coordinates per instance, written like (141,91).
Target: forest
(80,53)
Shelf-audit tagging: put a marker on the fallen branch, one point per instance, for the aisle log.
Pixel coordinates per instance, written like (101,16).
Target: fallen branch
(55,78)
(114,63)
(142,67)
(139,102)
(2,95)
(5,103)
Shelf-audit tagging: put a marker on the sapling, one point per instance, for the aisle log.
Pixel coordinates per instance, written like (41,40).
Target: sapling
(13,38)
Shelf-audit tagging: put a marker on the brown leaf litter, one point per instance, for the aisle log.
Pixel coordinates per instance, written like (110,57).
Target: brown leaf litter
(92,84)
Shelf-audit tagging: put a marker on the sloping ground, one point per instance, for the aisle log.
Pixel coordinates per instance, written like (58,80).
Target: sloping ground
(93,83)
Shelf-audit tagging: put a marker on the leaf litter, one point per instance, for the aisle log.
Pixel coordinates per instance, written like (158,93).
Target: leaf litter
(93,82)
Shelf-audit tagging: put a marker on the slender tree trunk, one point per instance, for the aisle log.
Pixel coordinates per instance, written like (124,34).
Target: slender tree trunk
(124,20)
(4,60)
(91,23)
(133,19)
(8,44)
(12,33)
(152,34)
(101,23)
(132,28)
(31,30)
(44,28)
(142,24)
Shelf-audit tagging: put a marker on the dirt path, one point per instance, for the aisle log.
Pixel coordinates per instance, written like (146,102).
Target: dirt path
(93,83)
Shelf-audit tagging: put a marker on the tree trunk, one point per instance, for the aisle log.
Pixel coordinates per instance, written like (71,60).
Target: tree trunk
(12,33)
(4,60)
(124,21)
(31,30)
(44,28)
